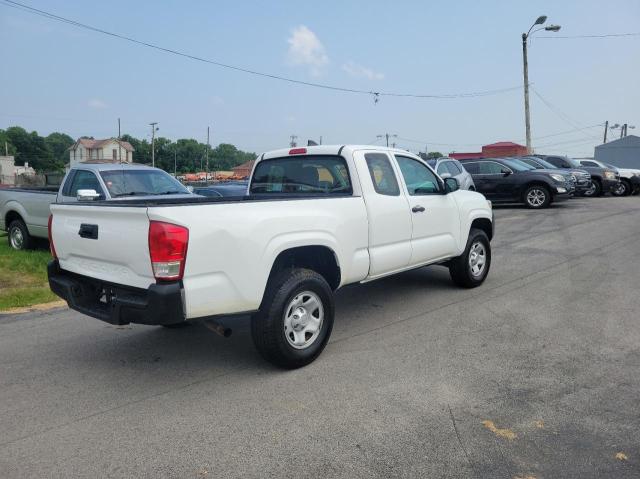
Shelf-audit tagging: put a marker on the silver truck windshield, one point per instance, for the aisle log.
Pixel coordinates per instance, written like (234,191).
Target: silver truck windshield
(141,182)
(302,175)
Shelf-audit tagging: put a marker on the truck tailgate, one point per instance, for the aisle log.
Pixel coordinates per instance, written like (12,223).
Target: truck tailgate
(107,243)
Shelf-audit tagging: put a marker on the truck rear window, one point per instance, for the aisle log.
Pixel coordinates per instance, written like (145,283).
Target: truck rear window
(303,175)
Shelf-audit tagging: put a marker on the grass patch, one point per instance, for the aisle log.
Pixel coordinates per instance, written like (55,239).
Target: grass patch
(23,277)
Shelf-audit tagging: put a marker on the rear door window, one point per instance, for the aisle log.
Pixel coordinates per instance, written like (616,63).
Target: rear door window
(302,175)
(472,168)
(453,168)
(442,168)
(491,168)
(382,175)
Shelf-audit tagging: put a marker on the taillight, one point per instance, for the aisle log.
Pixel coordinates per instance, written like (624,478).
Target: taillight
(168,250)
(298,151)
(51,246)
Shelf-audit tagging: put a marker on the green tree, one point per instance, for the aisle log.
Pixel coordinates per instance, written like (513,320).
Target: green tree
(59,144)
(31,148)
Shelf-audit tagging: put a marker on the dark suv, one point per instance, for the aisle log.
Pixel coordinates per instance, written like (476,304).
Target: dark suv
(603,180)
(582,177)
(510,180)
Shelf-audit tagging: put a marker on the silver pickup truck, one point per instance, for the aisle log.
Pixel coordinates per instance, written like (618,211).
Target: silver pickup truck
(24,212)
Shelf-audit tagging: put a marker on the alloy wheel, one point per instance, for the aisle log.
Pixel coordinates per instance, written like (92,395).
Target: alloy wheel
(536,197)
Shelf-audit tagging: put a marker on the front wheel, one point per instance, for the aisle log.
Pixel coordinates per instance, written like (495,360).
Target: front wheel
(537,197)
(295,319)
(470,269)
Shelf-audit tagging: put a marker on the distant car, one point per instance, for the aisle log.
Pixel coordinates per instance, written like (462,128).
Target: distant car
(450,168)
(582,177)
(603,180)
(235,188)
(629,180)
(510,180)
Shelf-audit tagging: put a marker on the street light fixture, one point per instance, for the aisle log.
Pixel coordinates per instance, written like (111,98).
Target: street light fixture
(525,37)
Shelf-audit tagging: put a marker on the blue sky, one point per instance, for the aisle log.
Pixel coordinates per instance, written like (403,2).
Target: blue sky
(56,77)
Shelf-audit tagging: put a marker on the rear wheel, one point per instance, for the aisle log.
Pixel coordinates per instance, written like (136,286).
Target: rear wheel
(537,197)
(19,237)
(295,319)
(623,188)
(471,268)
(595,190)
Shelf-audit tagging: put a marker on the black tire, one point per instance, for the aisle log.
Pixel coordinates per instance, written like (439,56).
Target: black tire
(19,237)
(537,197)
(624,188)
(596,189)
(460,267)
(268,325)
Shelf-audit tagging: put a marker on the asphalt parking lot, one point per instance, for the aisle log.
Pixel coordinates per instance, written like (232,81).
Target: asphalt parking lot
(532,375)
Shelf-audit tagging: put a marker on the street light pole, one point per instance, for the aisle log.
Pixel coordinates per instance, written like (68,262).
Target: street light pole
(527,119)
(525,67)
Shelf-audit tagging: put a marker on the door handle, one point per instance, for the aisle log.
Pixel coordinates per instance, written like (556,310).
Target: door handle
(88,231)
(418,209)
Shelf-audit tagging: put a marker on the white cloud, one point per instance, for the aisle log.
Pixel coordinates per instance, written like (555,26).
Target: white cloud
(306,49)
(96,103)
(355,70)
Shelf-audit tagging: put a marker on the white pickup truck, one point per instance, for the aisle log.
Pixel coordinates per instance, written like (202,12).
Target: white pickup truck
(313,220)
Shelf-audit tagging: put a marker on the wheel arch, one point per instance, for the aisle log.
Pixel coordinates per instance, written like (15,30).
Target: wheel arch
(320,258)
(483,224)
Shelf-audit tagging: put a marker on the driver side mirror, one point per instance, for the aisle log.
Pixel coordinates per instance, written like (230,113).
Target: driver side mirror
(505,172)
(451,185)
(444,176)
(87,195)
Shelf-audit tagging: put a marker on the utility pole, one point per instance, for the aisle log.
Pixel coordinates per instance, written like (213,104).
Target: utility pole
(119,147)
(175,161)
(293,143)
(321,139)
(153,143)
(606,127)
(387,135)
(623,131)
(206,155)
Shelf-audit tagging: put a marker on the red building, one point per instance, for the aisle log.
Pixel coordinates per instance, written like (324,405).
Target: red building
(494,150)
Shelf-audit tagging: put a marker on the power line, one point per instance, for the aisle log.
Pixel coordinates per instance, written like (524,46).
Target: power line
(577,127)
(376,94)
(607,35)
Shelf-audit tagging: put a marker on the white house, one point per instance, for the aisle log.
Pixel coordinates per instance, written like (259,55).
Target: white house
(108,150)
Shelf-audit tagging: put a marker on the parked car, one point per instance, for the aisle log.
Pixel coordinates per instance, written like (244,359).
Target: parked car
(315,219)
(24,212)
(629,179)
(603,180)
(450,168)
(229,188)
(582,178)
(510,180)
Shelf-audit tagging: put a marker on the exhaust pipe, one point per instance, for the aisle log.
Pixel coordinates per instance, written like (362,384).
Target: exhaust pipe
(217,328)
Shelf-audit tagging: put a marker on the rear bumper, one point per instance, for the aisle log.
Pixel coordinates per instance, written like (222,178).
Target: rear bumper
(118,304)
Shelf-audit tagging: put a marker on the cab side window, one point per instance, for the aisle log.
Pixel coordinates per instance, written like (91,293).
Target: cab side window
(442,168)
(382,175)
(419,179)
(453,168)
(84,180)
